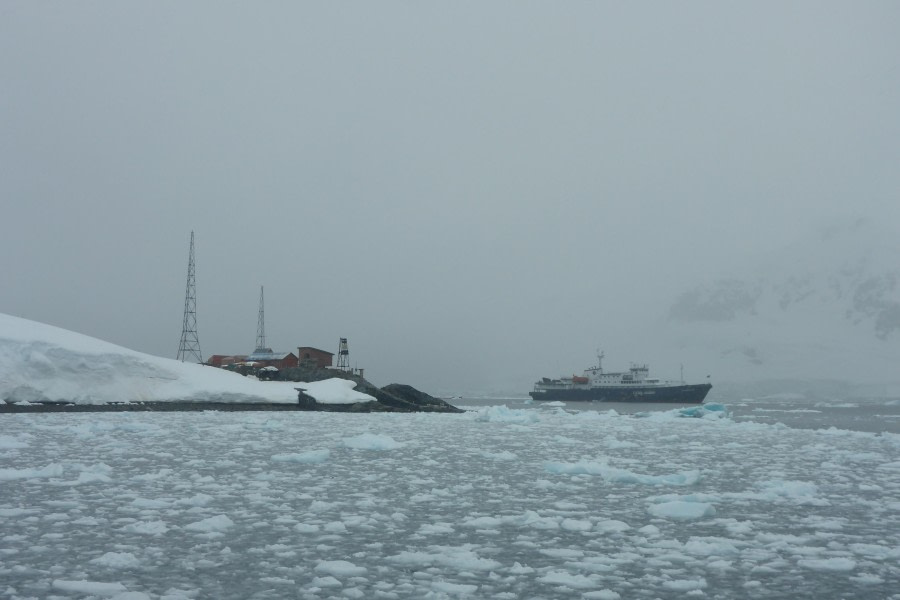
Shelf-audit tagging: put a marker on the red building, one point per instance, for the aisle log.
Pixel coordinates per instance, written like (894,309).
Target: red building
(279,360)
(320,358)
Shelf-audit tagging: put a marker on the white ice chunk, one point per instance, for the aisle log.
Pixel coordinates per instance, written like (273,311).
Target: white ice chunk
(460,558)
(685,585)
(196,500)
(504,455)
(617,475)
(16,512)
(8,442)
(326,582)
(519,569)
(147,527)
(340,568)
(576,525)
(95,588)
(148,503)
(876,551)
(86,477)
(372,441)
(562,552)
(216,523)
(311,457)
(797,492)
(483,523)
(51,470)
(681,510)
(504,414)
(614,525)
(453,589)
(435,529)
(604,594)
(838,563)
(335,527)
(712,546)
(567,579)
(532,519)
(117,560)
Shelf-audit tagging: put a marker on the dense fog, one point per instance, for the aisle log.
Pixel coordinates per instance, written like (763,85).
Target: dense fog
(474,195)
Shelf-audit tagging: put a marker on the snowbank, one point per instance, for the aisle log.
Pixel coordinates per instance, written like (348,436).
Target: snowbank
(40,363)
(333,391)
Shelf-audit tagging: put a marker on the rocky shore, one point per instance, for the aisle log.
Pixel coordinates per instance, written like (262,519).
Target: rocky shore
(391,398)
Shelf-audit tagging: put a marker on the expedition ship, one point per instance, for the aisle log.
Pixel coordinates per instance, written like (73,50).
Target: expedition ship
(635,385)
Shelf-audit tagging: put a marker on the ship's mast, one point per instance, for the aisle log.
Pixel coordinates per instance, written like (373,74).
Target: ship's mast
(600,356)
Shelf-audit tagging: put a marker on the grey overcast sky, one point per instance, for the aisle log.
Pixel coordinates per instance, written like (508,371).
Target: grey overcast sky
(472,192)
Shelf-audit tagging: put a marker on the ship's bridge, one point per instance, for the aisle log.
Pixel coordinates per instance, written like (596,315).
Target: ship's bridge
(639,372)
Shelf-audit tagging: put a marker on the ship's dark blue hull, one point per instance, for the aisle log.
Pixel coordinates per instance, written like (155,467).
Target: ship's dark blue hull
(681,394)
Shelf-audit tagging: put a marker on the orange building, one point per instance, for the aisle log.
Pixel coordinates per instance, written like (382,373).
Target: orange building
(224,360)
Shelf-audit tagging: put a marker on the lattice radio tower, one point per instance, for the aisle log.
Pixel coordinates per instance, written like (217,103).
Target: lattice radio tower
(190,343)
(343,355)
(261,325)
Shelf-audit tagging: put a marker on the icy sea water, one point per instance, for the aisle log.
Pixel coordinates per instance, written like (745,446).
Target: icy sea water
(501,502)
(876,415)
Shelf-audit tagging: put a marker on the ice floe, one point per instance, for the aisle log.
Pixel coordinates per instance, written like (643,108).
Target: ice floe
(681,510)
(497,503)
(372,441)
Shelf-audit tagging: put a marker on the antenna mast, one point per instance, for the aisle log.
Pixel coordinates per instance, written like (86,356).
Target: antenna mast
(190,343)
(261,324)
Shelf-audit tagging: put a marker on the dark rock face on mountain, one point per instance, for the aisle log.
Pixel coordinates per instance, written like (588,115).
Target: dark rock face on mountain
(825,307)
(722,301)
(845,273)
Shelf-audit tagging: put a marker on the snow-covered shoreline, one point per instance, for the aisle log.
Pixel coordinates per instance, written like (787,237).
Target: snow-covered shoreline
(42,363)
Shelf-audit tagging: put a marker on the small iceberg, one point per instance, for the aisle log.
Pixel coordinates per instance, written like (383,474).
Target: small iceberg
(710,410)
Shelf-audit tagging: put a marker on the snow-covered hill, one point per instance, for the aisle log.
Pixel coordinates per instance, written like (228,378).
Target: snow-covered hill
(39,362)
(826,308)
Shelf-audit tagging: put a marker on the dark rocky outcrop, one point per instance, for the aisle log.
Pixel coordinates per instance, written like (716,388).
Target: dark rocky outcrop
(391,398)
(408,395)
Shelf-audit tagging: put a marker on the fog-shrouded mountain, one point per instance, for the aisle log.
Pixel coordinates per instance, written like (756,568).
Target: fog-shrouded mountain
(827,307)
